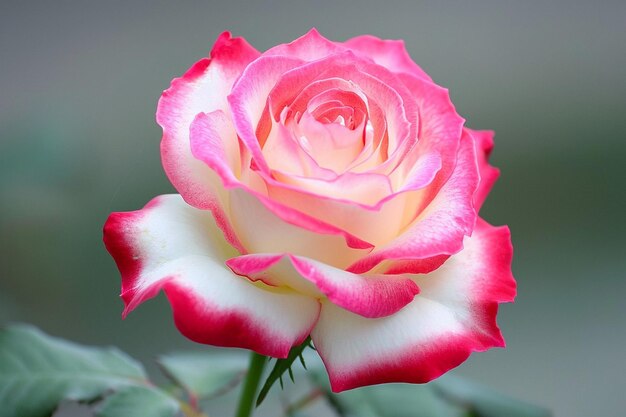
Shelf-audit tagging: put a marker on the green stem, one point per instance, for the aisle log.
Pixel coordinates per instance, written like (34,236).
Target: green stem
(251,385)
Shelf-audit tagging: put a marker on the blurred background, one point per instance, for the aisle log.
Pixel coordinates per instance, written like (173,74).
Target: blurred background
(79,82)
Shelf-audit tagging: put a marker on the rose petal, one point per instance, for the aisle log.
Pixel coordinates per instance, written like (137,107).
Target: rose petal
(172,246)
(261,224)
(488,174)
(362,204)
(441,226)
(440,129)
(391,54)
(203,88)
(309,47)
(298,89)
(336,90)
(411,266)
(332,145)
(265,226)
(453,316)
(368,296)
(376,133)
(370,80)
(396,101)
(248,99)
(363,189)
(283,153)
(392,103)
(399,142)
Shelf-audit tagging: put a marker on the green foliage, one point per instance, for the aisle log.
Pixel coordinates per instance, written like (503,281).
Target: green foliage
(389,400)
(445,397)
(280,367)
(137,401)
(37,372)
(204,374)
(482,401)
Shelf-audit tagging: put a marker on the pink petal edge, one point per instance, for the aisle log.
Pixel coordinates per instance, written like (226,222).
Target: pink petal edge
(370,296)
(166,246)
(425,339)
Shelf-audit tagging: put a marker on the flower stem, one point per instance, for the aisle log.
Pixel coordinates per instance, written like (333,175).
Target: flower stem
(251,385)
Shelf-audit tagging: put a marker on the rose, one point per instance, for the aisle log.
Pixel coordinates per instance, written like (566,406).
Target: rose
(326,189)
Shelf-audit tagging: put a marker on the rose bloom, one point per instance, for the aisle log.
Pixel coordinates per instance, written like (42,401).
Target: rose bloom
(327,189)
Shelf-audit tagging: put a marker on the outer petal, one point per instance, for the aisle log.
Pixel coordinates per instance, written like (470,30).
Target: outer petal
(172,246)
(309,47)
(369,296)
(265,226)
(391,54)
(453,316)
(203,88)
(377,223)
(365,190)
(488,174)
(440,129)
(441,226)
(412,266)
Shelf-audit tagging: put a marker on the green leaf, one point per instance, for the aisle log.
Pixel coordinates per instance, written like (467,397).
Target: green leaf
(389,400)
(482,401)
(38,371)
(204,374)
(137,401)
(280,367)
(444,397)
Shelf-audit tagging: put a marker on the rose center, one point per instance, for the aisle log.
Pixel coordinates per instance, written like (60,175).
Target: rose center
(325,130)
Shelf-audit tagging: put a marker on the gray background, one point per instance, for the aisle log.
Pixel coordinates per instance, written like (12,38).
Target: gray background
(79,83)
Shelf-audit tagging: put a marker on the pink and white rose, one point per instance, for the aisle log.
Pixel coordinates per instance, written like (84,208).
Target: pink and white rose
(327,189)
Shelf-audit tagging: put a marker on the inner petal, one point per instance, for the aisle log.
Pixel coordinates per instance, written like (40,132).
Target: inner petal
(331,144)
(328,121)
(374,150)
(344,119)
(335,98)
(285,151)
(341,115)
